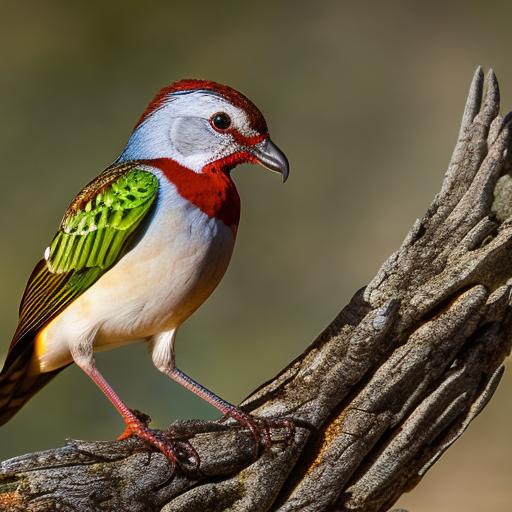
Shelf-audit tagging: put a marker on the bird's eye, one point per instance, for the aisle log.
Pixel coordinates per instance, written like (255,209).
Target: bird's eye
(220,121)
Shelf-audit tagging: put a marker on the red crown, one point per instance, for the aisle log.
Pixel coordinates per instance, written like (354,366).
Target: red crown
(236,98)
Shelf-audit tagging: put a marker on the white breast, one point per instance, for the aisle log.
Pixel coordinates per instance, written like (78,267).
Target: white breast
(171,270)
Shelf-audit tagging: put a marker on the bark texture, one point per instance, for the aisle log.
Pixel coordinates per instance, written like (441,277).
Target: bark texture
(389,385)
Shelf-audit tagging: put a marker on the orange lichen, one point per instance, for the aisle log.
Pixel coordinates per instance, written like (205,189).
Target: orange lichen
(11,501)
(331,432)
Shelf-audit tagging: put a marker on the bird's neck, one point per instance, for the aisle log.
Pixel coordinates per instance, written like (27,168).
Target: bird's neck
(212,190)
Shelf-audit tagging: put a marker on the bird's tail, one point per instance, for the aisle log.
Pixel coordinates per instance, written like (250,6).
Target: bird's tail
(18,385)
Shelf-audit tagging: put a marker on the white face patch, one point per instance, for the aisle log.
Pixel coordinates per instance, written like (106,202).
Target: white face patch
(180,129)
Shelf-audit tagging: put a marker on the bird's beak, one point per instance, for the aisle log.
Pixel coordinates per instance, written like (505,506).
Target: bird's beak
(271,157)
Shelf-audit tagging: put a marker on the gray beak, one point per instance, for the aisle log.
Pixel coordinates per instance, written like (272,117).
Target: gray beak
(271,157)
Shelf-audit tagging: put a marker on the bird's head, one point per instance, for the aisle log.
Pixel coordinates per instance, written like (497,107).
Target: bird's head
(204,125)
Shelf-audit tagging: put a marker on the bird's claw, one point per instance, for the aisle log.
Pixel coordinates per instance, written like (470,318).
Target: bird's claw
(180,454)
(186,455)
(261,428)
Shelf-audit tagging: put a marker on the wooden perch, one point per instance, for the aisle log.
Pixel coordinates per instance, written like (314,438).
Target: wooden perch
(389,385)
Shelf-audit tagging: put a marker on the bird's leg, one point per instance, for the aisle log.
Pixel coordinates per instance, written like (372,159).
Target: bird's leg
(133,423)
(164,360)
(259,427)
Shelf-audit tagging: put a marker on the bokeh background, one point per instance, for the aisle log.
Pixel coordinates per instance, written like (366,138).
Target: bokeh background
(364,97)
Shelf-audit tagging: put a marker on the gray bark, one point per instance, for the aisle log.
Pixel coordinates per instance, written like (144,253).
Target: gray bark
(389,385)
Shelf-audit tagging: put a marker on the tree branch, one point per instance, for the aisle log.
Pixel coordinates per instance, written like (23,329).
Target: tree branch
(390,384)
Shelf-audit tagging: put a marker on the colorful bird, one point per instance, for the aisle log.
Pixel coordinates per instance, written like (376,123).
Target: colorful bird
(141,247)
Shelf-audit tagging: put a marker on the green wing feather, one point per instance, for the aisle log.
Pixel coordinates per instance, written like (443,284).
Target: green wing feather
(92,237)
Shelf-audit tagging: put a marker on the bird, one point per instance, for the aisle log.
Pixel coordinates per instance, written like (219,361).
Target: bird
(141,247)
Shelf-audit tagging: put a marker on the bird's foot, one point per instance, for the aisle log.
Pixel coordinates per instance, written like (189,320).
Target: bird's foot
(180,453)
(261,428)
(144,418)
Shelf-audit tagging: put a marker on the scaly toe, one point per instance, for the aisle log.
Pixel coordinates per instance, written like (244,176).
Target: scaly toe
(180,453)
(261,428)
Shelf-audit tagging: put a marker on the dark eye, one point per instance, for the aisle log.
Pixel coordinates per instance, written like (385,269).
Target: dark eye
(220,121)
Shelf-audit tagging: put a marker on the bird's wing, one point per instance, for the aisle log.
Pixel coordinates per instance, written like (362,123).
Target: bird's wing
(92,237)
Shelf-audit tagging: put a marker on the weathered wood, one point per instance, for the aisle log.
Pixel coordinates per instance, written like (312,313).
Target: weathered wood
(377,398)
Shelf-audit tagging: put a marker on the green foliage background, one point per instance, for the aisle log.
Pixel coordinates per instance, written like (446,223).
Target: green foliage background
(364,97)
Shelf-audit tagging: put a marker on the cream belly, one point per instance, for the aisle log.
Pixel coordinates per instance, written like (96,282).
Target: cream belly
(156,286)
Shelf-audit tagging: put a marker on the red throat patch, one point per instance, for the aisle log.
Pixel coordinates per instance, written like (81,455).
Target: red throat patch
(211,190)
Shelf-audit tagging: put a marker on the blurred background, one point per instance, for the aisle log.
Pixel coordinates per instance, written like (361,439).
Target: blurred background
(365,99)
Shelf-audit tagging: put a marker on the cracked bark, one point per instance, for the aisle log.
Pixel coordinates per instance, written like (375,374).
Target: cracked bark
(389,385)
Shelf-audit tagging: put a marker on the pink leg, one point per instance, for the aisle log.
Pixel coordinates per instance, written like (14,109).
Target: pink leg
(260,428)
(163,358)
(133,424)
